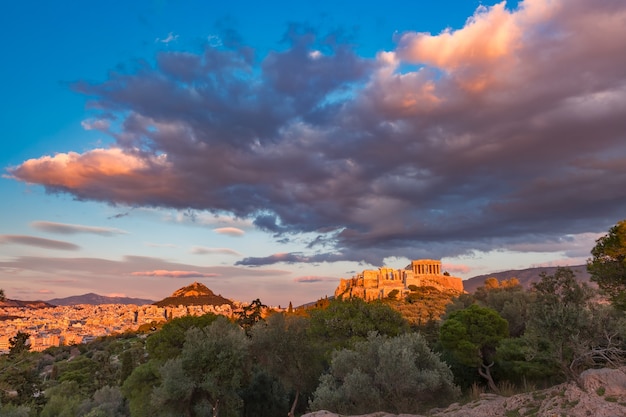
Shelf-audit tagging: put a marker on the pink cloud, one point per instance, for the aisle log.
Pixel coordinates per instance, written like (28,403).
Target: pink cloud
(230,231)
(116,294)
(456,268)
(174,274)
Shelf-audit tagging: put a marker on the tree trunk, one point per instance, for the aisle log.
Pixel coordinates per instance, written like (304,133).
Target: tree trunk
(216,408)
(485,372)
(293,406)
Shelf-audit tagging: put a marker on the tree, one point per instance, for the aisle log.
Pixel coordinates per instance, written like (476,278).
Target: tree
(251,314)
(608,265)
(345,322)
(208,375)
(563,323)
(137,388)
(509,299)
(396,375)
(2,296)
(283,347)
(19,343)
(472,336)
(168,342)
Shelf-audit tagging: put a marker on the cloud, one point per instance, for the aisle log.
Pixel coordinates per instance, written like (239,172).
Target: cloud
(171,37)
(310,279)
(71,229)
(290,258)
(507,131)
(230,231)
(455,268)
(45,291)
(173,274)
(37,242)
(200,250)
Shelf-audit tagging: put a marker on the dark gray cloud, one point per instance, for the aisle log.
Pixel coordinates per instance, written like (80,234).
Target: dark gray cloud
(492,142)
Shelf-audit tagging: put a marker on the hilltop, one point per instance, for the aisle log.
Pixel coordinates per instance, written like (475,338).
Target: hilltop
(194,294)
(96,299)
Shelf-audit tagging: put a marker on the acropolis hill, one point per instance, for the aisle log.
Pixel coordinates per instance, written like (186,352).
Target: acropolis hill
(377,284)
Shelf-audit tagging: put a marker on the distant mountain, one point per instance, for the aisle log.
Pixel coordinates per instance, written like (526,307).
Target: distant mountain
(95,299)
(194,294)
(525,276)
(28,304)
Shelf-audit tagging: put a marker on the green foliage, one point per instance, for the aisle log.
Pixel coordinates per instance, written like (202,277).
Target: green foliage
(137,388)
(472,336)
(344,322)
(397,375)
(568,331)
(509,299)
(168,342)
(19,380)
(106,402)
(283,347)
(63,400)
(208,374)
(264,396)
(14,411)
(608,264)
(80,370)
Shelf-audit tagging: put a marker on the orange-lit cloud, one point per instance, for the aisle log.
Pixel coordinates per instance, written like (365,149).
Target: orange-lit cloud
(230,231)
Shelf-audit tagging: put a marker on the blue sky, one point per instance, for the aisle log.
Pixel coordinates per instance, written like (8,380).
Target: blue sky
(269,149)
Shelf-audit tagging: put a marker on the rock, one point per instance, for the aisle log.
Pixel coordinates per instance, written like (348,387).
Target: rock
(610,382)
(604,395)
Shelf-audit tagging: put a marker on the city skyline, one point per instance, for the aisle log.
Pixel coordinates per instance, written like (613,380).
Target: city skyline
(269,150)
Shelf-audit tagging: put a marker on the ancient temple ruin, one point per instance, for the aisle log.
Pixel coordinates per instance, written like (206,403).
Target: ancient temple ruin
(377,284)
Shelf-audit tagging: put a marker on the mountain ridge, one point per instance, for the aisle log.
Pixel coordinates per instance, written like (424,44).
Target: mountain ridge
(526,276)
(97,299)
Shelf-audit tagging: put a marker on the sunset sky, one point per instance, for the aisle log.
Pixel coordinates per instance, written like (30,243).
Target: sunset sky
(267,149)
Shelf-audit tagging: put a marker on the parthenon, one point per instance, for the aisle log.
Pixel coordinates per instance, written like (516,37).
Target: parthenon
(377,284)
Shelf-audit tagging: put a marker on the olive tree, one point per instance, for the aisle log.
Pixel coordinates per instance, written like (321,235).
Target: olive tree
(397,375)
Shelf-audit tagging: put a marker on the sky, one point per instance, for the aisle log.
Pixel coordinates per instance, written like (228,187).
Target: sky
(268,149)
